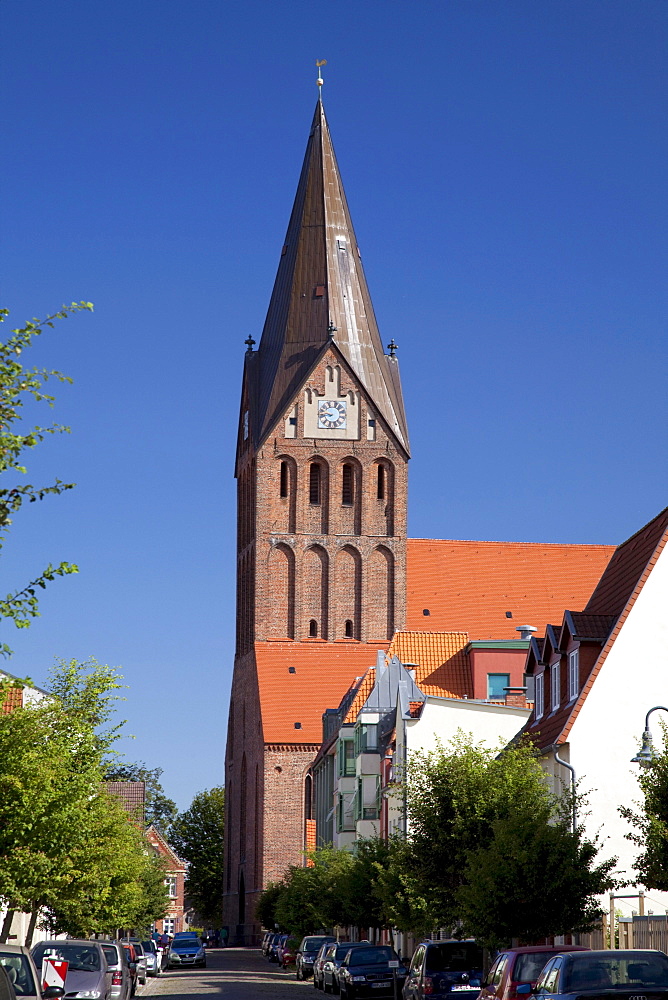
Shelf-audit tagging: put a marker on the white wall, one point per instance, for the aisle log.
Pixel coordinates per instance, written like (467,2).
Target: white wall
(606,734)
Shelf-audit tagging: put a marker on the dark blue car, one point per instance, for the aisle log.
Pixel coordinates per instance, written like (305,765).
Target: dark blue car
(602,975)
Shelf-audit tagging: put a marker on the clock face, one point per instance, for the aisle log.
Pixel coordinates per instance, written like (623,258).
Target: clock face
(331,414)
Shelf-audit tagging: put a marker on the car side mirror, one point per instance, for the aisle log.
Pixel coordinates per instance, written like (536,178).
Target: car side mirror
(52,992)
(523,990)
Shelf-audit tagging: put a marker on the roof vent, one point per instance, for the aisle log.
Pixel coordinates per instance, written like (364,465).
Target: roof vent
(298,725)
(526,631)
(426,612)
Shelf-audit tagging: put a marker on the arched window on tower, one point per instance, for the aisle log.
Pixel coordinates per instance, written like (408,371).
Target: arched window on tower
(348,485)
(315,484)
(285,479)
(380,486)
(349,629)
(313,629)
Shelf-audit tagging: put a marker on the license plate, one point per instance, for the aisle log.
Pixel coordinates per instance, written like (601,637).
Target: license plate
(462,986)
(379,986)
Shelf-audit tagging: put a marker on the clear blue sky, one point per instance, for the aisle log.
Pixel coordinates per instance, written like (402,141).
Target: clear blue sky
(505,163)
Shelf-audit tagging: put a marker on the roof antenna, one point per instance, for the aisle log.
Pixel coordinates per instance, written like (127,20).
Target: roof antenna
(320,81)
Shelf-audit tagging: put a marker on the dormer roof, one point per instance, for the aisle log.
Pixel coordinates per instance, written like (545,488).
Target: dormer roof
(320,299)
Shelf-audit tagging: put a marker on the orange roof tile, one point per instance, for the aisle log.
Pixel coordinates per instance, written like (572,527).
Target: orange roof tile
(469,586)
(323,673)
(361,695)
(442,667)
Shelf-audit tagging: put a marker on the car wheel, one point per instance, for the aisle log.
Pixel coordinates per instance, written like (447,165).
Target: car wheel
(326,987)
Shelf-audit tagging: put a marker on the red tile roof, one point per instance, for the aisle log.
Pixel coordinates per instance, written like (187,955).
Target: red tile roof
(615,595)
(361,695)
(442,667)
(323,673)
(469,586)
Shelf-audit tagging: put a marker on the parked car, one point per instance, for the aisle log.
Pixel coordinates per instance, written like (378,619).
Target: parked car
(590,973)
(131,956)
(516,966)
(287,954)
(328,968)
(308,952)
(273,945)
(87,970)
(442,967)
(153,958)
(277,948)
(140,958)
(22,975)
(117,964)
(366,972)
(266,941)
(187,951)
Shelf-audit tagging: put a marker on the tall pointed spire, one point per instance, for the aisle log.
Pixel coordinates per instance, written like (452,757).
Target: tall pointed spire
(320,298)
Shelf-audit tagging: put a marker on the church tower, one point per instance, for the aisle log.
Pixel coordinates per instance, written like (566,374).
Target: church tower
(321,468)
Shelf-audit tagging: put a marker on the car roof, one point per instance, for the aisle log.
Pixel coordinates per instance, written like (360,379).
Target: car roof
(556,948)
(14,949)
(618,953)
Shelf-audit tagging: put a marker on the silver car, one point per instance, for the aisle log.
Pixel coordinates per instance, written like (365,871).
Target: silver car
(153,958)
(87,974)
(117,964)
(23,975)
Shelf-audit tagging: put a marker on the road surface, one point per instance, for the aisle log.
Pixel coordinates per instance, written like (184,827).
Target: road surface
(232,973)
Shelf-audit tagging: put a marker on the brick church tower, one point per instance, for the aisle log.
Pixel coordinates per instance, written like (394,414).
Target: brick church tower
(321,552)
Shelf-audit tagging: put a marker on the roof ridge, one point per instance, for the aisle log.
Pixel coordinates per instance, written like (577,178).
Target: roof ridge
(499,541)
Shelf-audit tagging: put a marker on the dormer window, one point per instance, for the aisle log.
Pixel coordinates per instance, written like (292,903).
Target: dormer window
(573,674)
(539,696)
(554,685)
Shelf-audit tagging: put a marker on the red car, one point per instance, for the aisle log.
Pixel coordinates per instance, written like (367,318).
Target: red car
(287,953)
(518,966)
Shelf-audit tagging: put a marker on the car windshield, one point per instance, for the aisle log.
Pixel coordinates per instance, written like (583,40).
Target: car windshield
(598,972)
(371,956)
(148,946)
(185,945)
(341,952)
(20,973)
(454,956)
(313,943)
(529,966)
(80,957)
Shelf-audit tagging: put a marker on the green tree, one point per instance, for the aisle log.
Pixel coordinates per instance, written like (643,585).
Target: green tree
(65,845)
(469,807)
(535,879)
(265,908)
(20,385)
(159,810)
(313,897)
(649,821)
(198,836)
(363,903)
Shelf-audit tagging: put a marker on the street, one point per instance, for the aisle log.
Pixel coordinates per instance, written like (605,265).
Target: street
(235,973)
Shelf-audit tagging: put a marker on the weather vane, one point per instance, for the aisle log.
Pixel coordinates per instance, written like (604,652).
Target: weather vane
(320,81)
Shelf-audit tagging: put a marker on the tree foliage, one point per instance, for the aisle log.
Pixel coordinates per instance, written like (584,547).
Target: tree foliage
(475,817)
(20,385)
(265,908)
(650,821)
(198,836)
(66,847)
(159,810)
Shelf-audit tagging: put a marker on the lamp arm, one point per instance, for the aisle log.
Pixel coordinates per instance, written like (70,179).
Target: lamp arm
(656,708)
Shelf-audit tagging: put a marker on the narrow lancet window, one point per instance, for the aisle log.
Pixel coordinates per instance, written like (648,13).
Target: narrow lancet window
(315,478)
(284,479)
(380,490)
(348,487)
(313,629)
(349,629)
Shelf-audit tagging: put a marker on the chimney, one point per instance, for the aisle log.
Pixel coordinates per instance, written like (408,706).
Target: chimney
(412,669)
(526,631)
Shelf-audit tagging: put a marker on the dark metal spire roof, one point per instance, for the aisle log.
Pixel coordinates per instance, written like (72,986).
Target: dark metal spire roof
(321,297)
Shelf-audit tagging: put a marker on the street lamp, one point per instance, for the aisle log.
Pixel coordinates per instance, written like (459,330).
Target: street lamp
(646,756)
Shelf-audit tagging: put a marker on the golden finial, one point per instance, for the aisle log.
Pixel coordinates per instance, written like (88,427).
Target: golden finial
(319,63)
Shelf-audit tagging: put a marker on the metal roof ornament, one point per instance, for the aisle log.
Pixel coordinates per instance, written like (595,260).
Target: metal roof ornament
(392,348)
(331,330)
(249,345)
(320,81)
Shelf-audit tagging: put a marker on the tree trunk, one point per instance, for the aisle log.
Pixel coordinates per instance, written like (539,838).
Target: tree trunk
(34,913)
(6,925)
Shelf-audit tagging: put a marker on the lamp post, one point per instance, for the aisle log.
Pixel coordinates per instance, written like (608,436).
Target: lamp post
(646,756)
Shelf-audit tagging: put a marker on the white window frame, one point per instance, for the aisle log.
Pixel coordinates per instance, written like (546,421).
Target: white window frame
(539,696)
(555,685)
(172,886)
(573,674)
